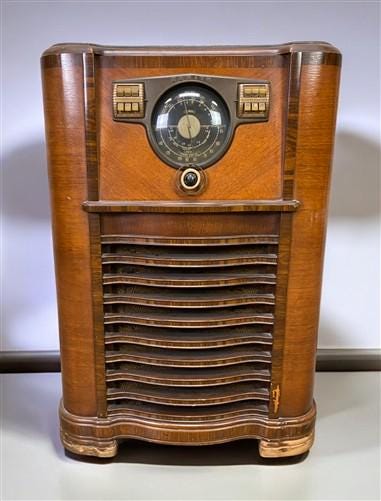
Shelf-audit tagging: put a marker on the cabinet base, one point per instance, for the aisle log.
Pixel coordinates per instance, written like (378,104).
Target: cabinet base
(109,448)
(278,437)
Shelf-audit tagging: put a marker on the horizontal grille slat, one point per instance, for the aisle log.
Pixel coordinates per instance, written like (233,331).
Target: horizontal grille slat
(187,377)
(188,339)
(201,263)
(190,241)
(188,319)
(190,256)
(193,298)
(183,414)
(185,396)
(187,358)
(188,325)
(172,277)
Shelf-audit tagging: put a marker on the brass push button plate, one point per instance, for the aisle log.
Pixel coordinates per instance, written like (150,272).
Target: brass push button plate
(253,100)
(128,100)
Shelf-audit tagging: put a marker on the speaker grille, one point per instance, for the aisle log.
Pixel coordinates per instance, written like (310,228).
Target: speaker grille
(188,325)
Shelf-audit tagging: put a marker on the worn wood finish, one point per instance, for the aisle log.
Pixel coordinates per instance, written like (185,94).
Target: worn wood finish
(95,436)
(189,321)
(286,448)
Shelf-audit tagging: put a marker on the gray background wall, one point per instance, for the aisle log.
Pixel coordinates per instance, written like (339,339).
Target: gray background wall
(350,305)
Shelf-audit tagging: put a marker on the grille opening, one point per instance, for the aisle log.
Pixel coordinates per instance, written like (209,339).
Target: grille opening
(188,325)
(196,250)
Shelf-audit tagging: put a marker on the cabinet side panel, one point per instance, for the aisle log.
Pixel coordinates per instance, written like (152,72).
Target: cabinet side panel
(317,116)
(65,136)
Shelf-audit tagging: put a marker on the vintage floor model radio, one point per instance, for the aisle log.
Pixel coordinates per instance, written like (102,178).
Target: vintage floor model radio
(189,199)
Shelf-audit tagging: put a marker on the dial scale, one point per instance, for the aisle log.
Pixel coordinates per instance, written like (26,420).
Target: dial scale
(191,125)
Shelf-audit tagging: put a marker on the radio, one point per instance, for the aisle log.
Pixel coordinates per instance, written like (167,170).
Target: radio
(189,194)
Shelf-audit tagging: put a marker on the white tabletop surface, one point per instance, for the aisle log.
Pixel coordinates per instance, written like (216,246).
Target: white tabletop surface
(343,464)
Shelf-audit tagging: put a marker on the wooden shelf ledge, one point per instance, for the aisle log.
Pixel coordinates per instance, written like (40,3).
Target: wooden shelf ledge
(191,207)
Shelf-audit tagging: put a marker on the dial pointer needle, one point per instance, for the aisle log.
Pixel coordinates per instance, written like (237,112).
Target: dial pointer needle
(189,122)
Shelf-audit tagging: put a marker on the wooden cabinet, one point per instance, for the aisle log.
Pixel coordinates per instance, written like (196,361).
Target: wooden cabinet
(189,314)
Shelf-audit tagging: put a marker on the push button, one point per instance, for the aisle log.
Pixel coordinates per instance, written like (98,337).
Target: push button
(253,100)
(128,100)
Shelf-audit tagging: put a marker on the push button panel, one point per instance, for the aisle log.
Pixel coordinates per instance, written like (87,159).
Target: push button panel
(128,100)
(253,100)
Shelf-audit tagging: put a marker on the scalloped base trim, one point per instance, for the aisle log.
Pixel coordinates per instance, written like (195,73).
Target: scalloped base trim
(95,436)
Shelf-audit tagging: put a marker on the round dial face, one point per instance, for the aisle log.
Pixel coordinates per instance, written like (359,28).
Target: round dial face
(190,126)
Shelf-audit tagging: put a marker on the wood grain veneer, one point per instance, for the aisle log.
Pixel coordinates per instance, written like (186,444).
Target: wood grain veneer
(255,152)
(189,320)
(66,147)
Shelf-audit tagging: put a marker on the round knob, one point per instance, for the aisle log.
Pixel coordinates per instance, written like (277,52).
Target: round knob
(190,179)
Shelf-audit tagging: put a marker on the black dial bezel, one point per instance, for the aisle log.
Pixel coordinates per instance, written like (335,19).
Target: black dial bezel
(197,163)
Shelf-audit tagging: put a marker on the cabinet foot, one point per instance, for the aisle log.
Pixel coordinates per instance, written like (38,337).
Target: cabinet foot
(89,447)
(284,448)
